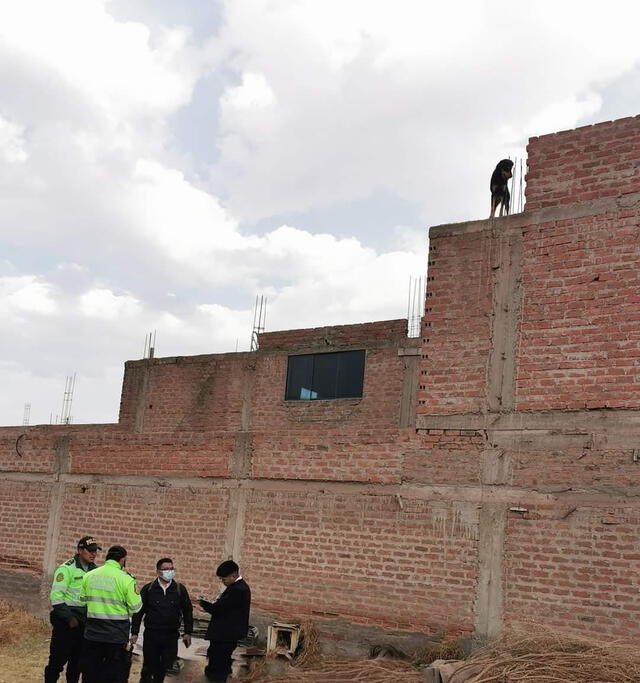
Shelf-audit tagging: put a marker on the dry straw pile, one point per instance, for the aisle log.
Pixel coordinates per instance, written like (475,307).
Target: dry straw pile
(532,653)
(310,667)
(367,671)
(15,623)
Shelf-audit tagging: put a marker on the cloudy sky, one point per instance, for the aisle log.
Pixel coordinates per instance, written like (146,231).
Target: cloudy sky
(164,161)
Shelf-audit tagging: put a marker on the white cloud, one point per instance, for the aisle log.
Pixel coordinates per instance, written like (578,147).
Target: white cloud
(103,303)
(253,93)
(111,63)
(416,99)
(25,294)
(12,143)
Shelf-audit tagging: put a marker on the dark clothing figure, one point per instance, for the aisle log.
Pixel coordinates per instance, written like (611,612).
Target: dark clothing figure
(229,624)
(65,648)
(103,662)
(67,618)
(111,596)
(162,611)
(160,651)
(219,660)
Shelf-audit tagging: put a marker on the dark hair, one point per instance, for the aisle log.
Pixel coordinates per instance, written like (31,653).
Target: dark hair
(226,568)
(116,552)
(162,560)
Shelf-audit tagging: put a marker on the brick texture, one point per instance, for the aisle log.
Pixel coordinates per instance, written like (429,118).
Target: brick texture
(362,559)
(575,570)
(444,457)
(23,525)
(389,331)
(186,525)
(456,325)
(117,453)
(580,328)
(28,450)
(583,164)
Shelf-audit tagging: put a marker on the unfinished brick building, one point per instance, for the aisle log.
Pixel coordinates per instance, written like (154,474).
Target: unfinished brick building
(387,486)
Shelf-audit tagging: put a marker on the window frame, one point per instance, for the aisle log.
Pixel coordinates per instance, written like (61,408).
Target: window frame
(313,356)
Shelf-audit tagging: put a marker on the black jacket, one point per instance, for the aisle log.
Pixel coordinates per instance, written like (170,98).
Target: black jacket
(229,613)
(162,611)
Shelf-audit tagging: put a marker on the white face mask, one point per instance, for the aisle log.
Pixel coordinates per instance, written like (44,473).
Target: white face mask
(168,574)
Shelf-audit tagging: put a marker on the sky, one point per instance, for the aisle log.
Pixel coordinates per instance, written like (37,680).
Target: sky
(163,162)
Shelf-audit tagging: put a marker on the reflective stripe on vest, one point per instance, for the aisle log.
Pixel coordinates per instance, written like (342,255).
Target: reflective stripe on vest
(67,582)
(109,593)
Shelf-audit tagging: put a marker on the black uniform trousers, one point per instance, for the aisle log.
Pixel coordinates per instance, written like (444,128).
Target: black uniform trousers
(104,662)
(160,650)
(65,648)
(219,660)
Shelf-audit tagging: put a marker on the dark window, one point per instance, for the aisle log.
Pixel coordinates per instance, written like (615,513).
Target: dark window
(315,376)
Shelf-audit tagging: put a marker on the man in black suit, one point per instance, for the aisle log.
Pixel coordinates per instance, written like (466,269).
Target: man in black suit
(165,603)
(229,621)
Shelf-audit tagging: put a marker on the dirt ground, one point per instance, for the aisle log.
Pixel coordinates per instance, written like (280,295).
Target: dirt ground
(24,647)
(24,650)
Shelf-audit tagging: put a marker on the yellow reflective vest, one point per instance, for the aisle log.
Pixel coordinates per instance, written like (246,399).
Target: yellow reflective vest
(65,591)
(111,597)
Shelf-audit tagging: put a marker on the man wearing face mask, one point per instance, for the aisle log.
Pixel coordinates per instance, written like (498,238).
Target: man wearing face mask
(164,603)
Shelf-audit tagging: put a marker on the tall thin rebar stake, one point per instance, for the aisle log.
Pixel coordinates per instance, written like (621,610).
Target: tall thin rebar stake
(152,345)
(26,415)
(259,320)
(514,185)
(415,305)
(149,345)
(521,189)
(67,399)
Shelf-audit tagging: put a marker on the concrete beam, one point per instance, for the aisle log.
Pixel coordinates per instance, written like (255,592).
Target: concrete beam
(472,493)
(488,607)
(584,421)
(552,213)
(505,320)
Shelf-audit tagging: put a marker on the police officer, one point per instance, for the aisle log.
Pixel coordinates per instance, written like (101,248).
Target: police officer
(111,596)
(68,614)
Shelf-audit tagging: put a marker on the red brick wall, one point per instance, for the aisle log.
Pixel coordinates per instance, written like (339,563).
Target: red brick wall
(340,335)
(580,324)
(575,570)
(28,450)
(24,508)
(185,524)
(203,454)
(185,393)
(582,164)
(402,564)
(331,454)
(456,325)
(577,467)
(444,457)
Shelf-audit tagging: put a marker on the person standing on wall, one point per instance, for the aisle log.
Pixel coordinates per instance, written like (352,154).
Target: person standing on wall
(68,614)
(165,602)
(229,621)
(111,596)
